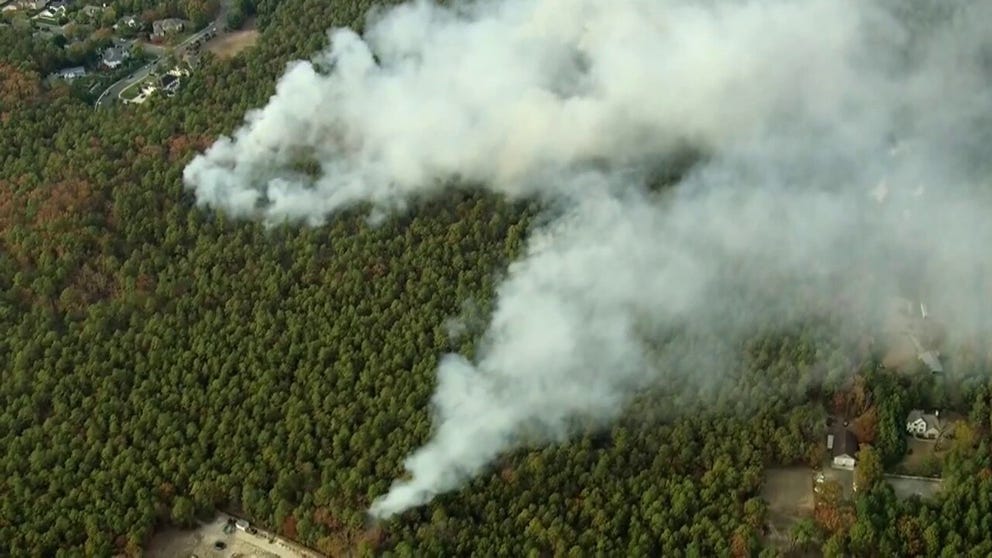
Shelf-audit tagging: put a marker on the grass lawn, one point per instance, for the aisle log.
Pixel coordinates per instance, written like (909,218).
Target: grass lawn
(134,90)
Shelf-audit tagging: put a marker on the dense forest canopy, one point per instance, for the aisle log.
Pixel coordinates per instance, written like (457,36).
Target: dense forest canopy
(161,361)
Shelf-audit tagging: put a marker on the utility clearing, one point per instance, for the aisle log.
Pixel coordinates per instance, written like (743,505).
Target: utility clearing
(229,45)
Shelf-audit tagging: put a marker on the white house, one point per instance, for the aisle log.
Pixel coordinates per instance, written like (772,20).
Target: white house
(71,73)
(923,425)
(844,448)
(54,10)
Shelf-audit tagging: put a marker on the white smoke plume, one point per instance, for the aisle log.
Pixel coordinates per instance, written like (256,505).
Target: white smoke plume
(841,149)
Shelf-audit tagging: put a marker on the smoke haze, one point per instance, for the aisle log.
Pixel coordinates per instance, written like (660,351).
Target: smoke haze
(843,155)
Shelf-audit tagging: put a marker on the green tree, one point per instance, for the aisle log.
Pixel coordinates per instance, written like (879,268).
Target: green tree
(869,471)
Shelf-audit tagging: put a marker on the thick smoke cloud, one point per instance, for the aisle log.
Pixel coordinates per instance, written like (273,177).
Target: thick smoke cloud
(842,145)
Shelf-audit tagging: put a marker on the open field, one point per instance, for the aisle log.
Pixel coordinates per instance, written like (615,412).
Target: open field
(229,45)
(789,493)
(177,543)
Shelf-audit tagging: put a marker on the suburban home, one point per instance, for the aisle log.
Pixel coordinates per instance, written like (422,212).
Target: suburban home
(843,447)
(53,11)
(923,425)
(71,73)
(114,57)
(164,27)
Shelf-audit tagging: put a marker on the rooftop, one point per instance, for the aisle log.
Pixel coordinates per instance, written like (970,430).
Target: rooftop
(932,419)
(844,443)
(114,54)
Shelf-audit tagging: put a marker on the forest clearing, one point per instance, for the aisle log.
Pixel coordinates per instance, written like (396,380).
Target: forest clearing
(789,493)
(231,44)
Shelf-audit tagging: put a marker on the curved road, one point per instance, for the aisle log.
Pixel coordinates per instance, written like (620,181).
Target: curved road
(112,93)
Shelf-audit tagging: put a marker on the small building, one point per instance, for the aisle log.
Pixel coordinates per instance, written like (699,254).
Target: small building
(114,57)
(843,447)
(165,27)
(924,425)
(33,4)
(930,358)
(71,73)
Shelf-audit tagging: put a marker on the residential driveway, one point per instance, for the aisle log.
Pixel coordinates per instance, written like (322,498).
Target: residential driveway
(842,477)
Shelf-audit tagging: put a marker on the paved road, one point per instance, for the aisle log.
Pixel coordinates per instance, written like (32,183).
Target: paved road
(112,93)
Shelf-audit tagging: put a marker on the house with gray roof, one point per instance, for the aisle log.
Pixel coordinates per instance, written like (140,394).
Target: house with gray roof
(115,56)
(924,425)
(165,27)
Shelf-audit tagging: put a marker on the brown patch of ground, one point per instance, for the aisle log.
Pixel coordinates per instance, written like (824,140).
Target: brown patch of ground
(230,44)
(789,493)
